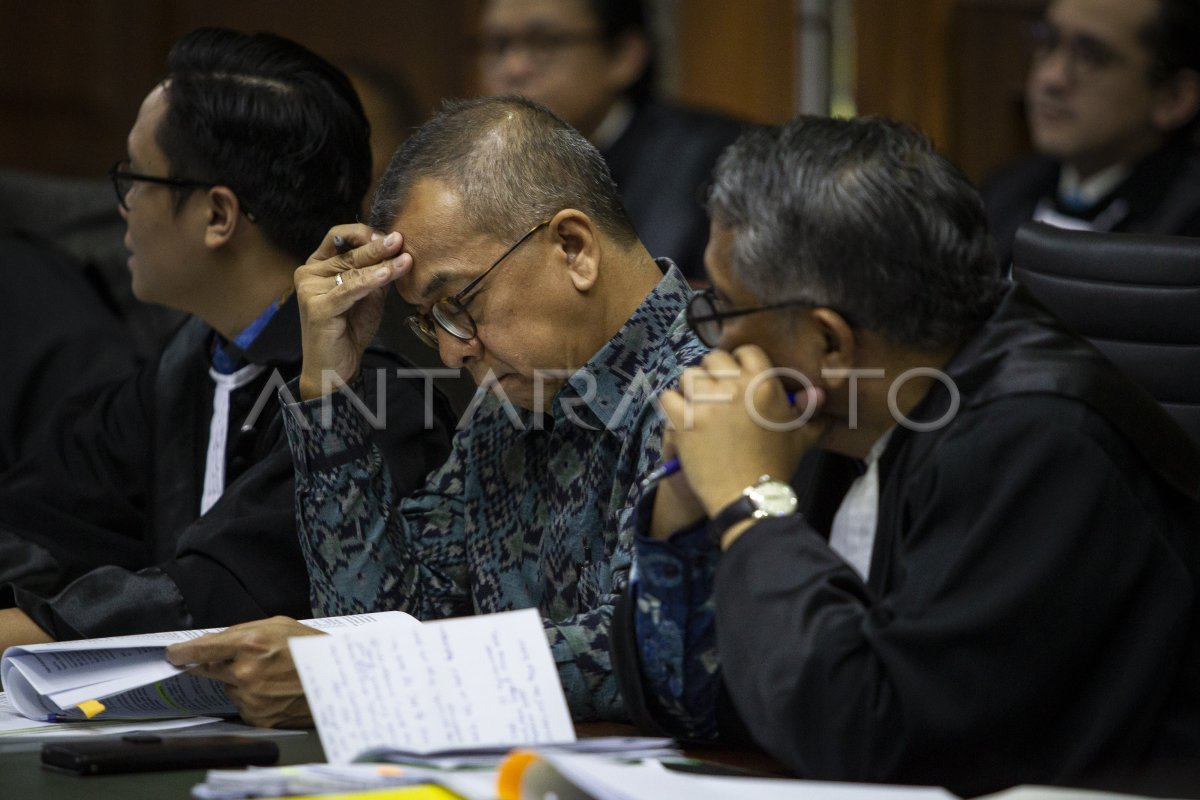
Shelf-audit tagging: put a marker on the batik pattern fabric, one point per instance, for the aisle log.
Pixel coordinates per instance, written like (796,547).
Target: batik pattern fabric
(675,620)
(529,511)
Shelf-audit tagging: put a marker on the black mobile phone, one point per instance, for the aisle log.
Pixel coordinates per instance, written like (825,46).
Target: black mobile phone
(147,753)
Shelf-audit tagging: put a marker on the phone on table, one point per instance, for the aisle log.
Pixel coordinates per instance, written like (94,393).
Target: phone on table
(148,753)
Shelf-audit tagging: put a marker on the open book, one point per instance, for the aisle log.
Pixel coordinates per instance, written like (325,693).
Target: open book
(125,677)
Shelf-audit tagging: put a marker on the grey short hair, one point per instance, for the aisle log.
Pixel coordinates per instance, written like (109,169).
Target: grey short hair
(513,163)
(863,216)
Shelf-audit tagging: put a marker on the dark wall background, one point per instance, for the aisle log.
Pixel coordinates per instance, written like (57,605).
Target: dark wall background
(73,72)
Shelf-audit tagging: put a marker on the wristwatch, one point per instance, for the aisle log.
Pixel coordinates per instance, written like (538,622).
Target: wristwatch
(766,498)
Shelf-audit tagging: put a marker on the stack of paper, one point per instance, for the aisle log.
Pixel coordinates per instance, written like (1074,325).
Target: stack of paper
(625,747)
(233,784)
(18,726)
(123,677)
(607,779)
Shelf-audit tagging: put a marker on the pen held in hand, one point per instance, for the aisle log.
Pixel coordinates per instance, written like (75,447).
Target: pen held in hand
(666,469)
(341,245)
(671,466)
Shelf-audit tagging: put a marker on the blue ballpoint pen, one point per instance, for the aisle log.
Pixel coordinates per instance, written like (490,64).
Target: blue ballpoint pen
(671,466)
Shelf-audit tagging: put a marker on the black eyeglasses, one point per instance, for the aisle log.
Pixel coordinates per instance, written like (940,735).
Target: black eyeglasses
(1085,55)
(705,317)
(123,180)
(450,313)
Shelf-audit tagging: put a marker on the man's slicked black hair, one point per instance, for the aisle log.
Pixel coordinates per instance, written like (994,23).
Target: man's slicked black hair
(273,121)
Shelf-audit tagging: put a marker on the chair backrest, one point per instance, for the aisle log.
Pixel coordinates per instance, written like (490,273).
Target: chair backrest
(1135,297)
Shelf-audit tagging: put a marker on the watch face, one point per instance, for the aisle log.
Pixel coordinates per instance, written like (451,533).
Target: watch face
(773,498)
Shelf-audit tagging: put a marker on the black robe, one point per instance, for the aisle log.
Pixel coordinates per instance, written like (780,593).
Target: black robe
(101,532)
(1030,614)
(662,164)
(59,339)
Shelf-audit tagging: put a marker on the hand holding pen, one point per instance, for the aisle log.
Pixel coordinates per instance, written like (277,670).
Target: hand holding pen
(673,465)
(730,422)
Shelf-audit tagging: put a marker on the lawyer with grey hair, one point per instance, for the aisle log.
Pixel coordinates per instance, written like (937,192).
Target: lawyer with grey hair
(964,556)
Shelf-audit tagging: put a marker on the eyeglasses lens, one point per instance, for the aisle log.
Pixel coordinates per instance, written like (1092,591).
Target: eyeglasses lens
(454,318)
(701,315)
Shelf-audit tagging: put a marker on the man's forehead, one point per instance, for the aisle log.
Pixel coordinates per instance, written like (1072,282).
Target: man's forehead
(433,268)
(717,249)
(141,141)
(443,249)
(511,14)
(1108,20)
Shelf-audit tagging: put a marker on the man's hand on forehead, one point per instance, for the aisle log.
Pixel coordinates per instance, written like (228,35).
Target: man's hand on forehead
(355,250)
(341,292)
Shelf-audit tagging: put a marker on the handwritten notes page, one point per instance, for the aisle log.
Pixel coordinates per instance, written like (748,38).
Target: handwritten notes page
(472,682)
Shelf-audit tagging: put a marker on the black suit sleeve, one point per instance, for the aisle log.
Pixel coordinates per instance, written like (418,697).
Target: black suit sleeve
(81,499)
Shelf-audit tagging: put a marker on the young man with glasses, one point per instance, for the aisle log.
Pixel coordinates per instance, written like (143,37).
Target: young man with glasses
(166,500)
(506,232)
(1112,98)
(966,554)
(592,62)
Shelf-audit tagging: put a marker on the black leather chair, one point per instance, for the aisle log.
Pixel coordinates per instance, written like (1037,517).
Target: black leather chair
(1135,297)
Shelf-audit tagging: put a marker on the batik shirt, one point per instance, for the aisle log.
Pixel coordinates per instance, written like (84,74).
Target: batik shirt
(527,512)
(675,621)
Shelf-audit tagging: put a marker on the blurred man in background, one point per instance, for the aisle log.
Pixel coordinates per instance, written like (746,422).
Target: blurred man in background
(1113,97)
(593,63)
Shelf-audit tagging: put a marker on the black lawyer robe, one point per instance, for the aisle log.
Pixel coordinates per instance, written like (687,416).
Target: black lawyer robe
(1030,614)
(101,533)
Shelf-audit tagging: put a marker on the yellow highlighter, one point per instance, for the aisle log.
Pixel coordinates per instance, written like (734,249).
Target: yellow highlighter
(524,775)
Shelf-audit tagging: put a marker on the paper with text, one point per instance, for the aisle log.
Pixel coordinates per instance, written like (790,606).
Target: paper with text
(485,681)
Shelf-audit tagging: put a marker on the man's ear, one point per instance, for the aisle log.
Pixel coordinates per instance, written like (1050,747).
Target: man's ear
(223,215)
(1178,101)
(838,342)
(578,242)
(629,59)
